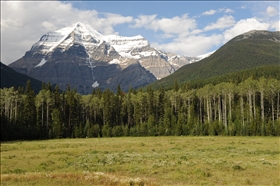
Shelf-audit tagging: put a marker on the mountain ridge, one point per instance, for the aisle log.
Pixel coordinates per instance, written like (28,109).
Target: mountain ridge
(256,49)
(81,47)
(11,78)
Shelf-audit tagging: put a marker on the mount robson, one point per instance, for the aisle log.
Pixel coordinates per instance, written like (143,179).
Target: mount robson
(79,56)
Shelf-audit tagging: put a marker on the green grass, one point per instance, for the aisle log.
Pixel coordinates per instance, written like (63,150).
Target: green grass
(142,161)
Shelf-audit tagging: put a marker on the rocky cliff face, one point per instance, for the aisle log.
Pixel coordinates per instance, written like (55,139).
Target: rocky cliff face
(134,75)
(80,56)
(159,63)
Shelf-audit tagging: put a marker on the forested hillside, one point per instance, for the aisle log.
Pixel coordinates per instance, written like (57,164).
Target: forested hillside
(244,52)
(269,71)
(250,107)
(11,78)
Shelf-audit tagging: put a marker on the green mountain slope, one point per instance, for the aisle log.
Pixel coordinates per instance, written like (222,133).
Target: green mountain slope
(11,78)
(269,71)
(249,50)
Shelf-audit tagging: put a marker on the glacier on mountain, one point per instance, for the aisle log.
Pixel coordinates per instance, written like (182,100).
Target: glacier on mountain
(95,84)
(42,62)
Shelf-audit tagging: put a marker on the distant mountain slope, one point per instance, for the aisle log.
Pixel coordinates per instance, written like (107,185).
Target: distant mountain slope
(268,71)
(11,78)
(249,50)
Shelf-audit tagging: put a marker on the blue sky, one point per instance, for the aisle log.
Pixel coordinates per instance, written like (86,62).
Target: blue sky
(187,28)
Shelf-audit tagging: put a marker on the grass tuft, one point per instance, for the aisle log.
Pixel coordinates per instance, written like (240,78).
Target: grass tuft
(237,167)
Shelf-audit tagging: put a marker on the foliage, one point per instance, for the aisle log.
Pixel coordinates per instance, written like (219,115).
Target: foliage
(250,107)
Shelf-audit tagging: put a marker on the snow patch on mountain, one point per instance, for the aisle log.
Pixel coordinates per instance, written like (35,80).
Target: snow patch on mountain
(95,84)
(175,64)
(125,45)
(148,53)
(42,62)
(115,61)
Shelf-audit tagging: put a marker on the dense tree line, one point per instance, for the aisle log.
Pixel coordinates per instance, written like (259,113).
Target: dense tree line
(267,71)
(247,108)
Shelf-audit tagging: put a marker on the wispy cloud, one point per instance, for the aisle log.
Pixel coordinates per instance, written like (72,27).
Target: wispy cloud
(228,10)
(271,11)
(191,45)
(222,23)
(220,10)
(175,25)
(210,12)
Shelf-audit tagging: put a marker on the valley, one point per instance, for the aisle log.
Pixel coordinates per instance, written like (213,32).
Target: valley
(140,93)
(233,92)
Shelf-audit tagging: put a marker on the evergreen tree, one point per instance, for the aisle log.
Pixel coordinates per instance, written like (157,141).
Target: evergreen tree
(57,128)
(175,86)
(29,110)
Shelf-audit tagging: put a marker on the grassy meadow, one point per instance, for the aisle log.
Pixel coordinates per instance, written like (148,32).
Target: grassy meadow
(142,161)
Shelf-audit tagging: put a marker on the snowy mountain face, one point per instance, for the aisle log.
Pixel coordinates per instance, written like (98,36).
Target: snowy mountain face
(64,38)
(81,56)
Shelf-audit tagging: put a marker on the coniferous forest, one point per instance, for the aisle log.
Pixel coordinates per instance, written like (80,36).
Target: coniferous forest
(248,108)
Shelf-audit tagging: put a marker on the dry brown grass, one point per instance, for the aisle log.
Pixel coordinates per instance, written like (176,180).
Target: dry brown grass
(86,178)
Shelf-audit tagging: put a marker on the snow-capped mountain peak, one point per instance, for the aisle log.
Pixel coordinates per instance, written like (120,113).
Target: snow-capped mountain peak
(86,30)
(85,35)
(98,59)
(65,37)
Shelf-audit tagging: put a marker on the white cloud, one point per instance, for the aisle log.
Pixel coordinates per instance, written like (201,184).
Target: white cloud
(199,43)
(225,10)
(115,19)
(210,12)
(192,45)
(222,23)
(175,25)
(276,25)
(271,11)
(244,25)
(23,23)
(144,21)
(228,10)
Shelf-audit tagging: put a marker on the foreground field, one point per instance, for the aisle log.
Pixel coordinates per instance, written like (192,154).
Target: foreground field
(142,161)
